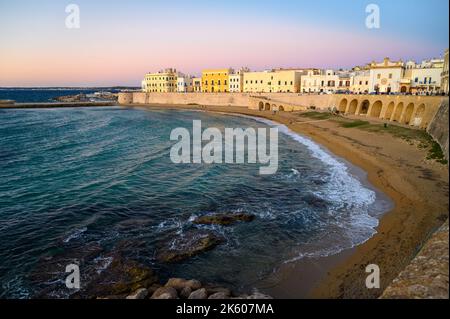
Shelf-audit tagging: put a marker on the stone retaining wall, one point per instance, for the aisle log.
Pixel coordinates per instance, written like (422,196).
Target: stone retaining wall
(426,277)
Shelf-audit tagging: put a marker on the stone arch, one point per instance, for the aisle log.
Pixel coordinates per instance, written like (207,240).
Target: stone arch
(274,107)
(342,106)
(375,110)
(418,118)
(352,107)
(267,107)
(261,106)
(398,112)
(281,108)
(407,114)
(364,107)
(404,89)
(389,111)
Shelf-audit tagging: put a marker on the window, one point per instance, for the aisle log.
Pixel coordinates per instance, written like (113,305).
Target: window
(378,76)
(390,75)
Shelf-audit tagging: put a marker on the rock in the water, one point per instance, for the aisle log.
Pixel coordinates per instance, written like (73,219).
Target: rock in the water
(187,246)
(139,294)
(315,201)
(179,284)
(164,296)
(172,292)
(185,292)
(213,290)
(121,277)
(219,295)
(224,219)
(199,294)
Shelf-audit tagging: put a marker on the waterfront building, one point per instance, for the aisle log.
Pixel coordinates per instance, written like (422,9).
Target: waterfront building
(197,85)
(328,81)
(274,81)
(360,82)
(425,78)
(444,74)
(215,81)
(236,79)
(385,77)
(162,82)
(184,84)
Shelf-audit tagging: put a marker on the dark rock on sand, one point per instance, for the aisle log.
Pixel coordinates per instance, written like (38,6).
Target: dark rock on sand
(224,219)
(189,245)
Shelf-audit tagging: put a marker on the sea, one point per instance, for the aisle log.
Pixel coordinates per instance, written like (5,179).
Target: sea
(87,182)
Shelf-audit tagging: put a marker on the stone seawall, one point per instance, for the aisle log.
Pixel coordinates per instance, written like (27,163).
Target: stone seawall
(216,99)
(438,127)
(426,277)
(415,111)
(227,99)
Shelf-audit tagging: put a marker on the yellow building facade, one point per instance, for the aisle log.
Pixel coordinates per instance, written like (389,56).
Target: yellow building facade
(161,82)
(281,81)
(216,81)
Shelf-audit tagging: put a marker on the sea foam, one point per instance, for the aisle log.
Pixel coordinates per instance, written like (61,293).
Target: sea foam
(344,191)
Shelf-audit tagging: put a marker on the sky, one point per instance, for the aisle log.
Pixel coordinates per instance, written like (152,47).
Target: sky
(119,41)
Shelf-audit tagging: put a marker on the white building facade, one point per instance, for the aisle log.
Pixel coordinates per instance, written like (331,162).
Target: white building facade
(184,84)
(385,77)
(236,81)
(328,81)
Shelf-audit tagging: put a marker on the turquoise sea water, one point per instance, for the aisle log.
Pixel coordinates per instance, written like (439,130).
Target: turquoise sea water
(100,179)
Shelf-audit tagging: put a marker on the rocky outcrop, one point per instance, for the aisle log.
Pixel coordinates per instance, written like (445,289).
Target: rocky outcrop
(189,245)
(122,277)
(426,277)
(72,98)
(6,102)
(224,219)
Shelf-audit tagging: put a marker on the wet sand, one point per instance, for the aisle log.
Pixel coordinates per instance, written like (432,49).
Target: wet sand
(417,187)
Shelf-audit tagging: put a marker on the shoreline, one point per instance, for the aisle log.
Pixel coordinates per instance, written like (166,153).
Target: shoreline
(418,208)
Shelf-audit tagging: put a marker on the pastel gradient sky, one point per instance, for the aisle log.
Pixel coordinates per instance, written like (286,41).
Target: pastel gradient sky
(119,41)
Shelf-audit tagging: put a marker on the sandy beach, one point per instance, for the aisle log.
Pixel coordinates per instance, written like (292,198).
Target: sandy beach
(398,168)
